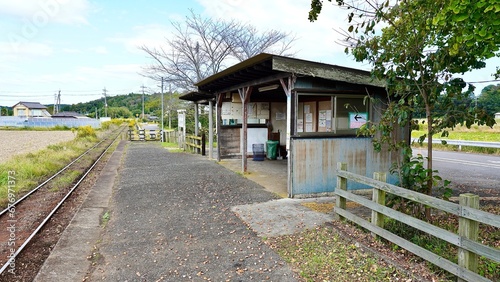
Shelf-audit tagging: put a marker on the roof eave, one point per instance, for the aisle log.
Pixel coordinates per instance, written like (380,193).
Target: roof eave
(242,65)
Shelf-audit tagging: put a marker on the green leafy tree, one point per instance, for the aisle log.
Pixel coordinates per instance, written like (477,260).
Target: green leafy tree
(490,99)
(417,53)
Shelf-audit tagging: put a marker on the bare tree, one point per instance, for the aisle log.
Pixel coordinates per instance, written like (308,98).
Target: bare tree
(200,47)
(249,42)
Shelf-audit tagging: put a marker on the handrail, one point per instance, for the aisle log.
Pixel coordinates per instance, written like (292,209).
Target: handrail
(460,143)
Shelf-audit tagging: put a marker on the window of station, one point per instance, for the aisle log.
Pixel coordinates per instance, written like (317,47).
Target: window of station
(333,114)
(232,113)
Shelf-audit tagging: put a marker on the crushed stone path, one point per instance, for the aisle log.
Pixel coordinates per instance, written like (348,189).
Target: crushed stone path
(171,219)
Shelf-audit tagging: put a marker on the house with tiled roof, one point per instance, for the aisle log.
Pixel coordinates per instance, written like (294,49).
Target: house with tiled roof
(30,109)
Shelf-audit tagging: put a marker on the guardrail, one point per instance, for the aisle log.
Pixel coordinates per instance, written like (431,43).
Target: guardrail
(461,143)
(467,211)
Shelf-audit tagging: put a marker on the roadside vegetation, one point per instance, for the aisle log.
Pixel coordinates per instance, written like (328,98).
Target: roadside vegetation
(322,254)
(460,132)
(26,171)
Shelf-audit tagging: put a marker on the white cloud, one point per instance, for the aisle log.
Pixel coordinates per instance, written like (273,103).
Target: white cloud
(26,50)
(99,50)
(153,36)
(41,12)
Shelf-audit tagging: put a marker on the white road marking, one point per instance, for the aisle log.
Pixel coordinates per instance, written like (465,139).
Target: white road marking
(456,161)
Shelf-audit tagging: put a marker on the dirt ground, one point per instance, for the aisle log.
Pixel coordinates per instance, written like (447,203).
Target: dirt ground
(20,142)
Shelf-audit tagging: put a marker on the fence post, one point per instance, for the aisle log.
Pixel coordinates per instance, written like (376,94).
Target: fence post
(341,184)
(379,198)
(203,141)
(469,229)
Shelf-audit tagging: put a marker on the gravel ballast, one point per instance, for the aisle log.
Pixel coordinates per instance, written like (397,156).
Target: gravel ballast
(171,220)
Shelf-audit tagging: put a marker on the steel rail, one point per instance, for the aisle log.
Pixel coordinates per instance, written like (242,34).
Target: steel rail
(46,181)
(47,218)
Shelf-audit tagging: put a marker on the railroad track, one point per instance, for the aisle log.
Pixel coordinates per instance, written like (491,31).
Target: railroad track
(23,219)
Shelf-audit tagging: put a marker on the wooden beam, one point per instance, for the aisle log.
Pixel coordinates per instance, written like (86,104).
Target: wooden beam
(256,82)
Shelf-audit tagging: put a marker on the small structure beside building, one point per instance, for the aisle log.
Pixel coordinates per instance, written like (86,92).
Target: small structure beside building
(313,110)
(497,115)
(30,109)
(69,115)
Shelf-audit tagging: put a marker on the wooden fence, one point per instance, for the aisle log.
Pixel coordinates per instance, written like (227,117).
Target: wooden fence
(171,136)
(467,211)
(195,144)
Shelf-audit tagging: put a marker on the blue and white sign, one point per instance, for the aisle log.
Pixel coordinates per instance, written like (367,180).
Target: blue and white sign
(356,120)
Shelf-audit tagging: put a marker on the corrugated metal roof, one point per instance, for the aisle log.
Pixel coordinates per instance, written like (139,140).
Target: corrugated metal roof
(266,65)
(68,114)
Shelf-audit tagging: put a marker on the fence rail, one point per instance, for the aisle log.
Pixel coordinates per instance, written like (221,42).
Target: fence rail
(196,144)
(469,218)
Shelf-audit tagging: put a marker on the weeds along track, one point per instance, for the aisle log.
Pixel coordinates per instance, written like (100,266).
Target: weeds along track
(21,221)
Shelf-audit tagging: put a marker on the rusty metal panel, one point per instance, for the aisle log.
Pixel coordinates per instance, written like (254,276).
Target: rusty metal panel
(315,161)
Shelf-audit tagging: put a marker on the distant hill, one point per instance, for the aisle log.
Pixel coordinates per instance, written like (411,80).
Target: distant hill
(126,106)
(131,101)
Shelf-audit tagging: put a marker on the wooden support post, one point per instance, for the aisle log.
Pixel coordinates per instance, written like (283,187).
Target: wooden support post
(245,93)
(341,184)
(210,129)
(203,141)
(469,229)
(218,122)
(379,198)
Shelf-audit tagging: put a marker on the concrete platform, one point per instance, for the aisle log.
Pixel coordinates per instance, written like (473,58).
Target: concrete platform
(270,174)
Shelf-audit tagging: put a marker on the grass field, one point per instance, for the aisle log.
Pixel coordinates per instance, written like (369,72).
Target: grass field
(475,133)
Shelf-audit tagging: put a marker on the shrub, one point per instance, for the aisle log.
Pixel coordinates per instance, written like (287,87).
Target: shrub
(86,132)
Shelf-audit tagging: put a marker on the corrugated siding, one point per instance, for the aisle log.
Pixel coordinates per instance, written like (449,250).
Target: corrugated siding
(315,161)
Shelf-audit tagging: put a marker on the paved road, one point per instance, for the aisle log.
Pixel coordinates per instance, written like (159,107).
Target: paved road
(468,172)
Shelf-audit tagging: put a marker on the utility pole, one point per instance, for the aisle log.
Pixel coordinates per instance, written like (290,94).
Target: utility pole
(162,113)
(143,87)
(170,106)
(105,102)
(54,109)
(57,102)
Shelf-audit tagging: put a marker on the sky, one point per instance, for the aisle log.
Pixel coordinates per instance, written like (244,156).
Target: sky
(80,47)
